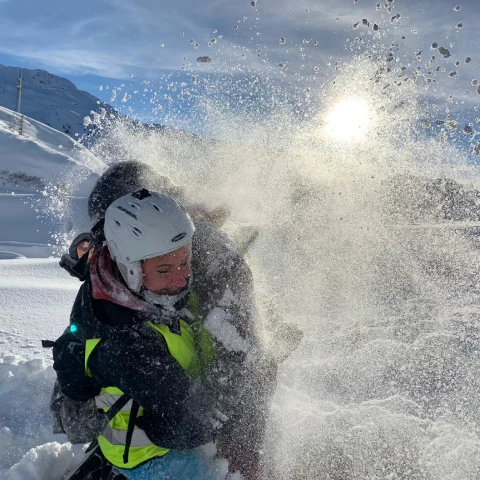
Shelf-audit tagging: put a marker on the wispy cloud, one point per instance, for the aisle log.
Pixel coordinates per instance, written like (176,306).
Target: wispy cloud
(116,38)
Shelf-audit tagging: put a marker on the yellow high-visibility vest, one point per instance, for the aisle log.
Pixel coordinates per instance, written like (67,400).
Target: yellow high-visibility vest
(193,349)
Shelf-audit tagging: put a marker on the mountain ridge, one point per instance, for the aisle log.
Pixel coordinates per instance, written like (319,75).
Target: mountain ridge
(52,100)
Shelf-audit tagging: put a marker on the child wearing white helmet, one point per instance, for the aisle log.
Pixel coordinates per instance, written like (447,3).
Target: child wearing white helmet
(142,226)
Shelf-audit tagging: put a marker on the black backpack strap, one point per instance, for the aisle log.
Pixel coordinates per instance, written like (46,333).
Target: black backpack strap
(117,406)
(114,409)
(131,427)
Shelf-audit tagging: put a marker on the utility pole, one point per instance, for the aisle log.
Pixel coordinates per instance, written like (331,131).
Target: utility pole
(19,100)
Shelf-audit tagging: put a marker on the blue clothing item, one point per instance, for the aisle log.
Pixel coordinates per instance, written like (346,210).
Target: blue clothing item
(175,465)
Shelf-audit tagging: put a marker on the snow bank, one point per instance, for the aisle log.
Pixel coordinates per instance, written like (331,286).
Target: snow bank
(35,302)
(29,450)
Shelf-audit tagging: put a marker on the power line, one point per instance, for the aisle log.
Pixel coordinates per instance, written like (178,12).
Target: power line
(19,101)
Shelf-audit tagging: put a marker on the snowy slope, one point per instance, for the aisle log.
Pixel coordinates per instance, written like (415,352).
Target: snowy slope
(52,100)
(34,171)
(35,298)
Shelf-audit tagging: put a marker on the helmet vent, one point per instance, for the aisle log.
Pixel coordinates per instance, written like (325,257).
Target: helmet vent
(135,206)
(136,232)
(157,208)
(118,224)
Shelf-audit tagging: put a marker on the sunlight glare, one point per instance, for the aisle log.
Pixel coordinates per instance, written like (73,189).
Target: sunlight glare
(349,120)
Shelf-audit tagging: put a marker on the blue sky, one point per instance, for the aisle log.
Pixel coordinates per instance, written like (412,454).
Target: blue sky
(150,45)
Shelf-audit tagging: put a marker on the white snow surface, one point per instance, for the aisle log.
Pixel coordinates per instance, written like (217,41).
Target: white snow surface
(35,301)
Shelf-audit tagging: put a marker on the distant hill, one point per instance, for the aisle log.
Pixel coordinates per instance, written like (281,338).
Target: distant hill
(52,100)
(45,179)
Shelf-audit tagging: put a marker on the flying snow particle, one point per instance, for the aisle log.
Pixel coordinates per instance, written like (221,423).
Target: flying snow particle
(253,3)
(478,90)
(434,45)
(355,25)
(114,96)
(451,125)
(474,82)
(281,65)
(459,25)
(444,52)
(365,22)
(195,80)
(204,60)
(468,130)
(452,74)
(457,8)
(468,60)
(131,75)
(378,6)
(376,27)
(282,40)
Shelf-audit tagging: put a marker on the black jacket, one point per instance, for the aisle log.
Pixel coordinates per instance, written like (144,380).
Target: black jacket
(134,358)
(131,356)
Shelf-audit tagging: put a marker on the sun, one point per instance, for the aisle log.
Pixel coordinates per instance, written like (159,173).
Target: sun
(349,119)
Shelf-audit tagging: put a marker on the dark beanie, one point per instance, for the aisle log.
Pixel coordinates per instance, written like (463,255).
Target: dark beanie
(126,177)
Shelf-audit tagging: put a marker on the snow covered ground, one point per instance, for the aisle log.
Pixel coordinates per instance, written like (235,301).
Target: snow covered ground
(35,298)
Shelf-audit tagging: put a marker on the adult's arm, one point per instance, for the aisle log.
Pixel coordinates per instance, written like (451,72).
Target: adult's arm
(142,368)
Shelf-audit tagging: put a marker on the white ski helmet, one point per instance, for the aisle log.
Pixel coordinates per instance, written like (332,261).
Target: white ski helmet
(144,225)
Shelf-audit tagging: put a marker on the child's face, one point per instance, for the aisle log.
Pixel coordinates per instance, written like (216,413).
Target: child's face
(167,274)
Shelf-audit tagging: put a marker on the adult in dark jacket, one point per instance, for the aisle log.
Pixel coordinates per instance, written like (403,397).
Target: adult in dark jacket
(174,413)
(223,282)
